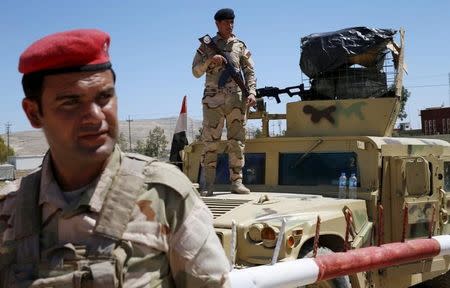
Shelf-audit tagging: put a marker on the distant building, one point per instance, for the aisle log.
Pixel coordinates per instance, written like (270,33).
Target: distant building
(7,172)
(435,120)
(403,126)
(28,162)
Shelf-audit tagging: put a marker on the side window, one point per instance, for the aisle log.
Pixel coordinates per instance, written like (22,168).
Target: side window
(316,168)
(253,172)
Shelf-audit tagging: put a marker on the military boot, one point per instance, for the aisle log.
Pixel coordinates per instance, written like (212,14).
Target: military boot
(207,191)
(210,178)
(239,188)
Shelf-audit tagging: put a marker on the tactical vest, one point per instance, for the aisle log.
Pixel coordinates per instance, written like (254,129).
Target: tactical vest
(22,263)
(214,74)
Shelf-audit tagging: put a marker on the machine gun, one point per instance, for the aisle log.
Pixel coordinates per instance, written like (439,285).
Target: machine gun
(275,92)
(230,71)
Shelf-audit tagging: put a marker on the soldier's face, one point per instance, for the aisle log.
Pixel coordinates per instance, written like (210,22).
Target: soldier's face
(225,27)
(79,115)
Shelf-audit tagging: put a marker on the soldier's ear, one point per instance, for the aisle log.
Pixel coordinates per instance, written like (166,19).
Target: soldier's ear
(31,109)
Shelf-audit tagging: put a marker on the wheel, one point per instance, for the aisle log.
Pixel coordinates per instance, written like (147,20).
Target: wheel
(339,282)
(442,281)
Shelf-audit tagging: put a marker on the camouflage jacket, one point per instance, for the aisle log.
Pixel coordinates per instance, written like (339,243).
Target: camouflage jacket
(236,51)
(169,234)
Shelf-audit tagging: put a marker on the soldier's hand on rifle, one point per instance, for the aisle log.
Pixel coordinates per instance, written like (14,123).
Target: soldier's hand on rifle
(251,100)
(218,59)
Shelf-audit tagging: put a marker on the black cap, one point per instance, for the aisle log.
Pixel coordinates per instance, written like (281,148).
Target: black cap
(223,14)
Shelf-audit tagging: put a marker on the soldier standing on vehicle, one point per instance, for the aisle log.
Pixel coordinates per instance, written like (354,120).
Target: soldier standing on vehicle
(223,99)
(93,216)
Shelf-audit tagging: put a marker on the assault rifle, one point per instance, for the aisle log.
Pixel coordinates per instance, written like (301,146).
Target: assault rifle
(275,92)
(230,70)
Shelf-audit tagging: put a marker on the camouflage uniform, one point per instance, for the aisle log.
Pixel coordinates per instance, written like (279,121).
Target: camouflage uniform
(167,240)
(227,103)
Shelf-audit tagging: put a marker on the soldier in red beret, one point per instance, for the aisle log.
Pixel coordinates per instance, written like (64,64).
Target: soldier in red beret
(93,216)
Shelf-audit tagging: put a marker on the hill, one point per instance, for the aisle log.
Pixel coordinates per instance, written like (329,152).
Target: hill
(33,142)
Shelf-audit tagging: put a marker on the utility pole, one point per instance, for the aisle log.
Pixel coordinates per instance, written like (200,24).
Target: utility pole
(8,131)
(191,126)
(449,89)
(129,120)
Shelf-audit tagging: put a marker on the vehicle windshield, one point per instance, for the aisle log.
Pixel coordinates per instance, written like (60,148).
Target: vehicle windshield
(295,169)
(316,168)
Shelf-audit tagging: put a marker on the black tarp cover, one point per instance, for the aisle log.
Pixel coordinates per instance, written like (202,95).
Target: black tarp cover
(325,52)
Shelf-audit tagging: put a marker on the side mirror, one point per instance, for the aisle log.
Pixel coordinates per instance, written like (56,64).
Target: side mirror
(417,173)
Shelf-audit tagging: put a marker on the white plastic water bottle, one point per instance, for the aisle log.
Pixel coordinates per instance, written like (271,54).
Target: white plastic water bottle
(352,186)
(342,186)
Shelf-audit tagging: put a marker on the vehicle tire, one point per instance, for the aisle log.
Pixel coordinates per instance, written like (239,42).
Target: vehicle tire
(442,281)
(339,282)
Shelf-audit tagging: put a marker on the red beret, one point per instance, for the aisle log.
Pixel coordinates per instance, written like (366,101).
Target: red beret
(69,51)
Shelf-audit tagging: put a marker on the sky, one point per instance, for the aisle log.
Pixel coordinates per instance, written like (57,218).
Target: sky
(153,44)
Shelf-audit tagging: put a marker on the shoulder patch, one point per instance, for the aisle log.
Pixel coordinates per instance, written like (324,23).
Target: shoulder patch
(9,189)
(168,175)
(242,42)
(8,201)
(200,51)
(7,204)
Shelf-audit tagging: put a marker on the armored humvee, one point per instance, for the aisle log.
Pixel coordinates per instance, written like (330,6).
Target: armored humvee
(341,125)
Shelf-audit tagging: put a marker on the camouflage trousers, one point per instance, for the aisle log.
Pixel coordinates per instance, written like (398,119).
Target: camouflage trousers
(220,106)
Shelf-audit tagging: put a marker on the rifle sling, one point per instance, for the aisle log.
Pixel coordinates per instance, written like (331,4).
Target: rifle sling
(235,76)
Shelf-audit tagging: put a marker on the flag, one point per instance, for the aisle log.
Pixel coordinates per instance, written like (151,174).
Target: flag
(179,137)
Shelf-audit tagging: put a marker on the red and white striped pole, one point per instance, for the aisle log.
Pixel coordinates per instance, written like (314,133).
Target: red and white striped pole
(310,270)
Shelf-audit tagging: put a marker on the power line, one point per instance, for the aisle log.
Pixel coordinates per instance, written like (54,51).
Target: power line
(424,76)
(426,86)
